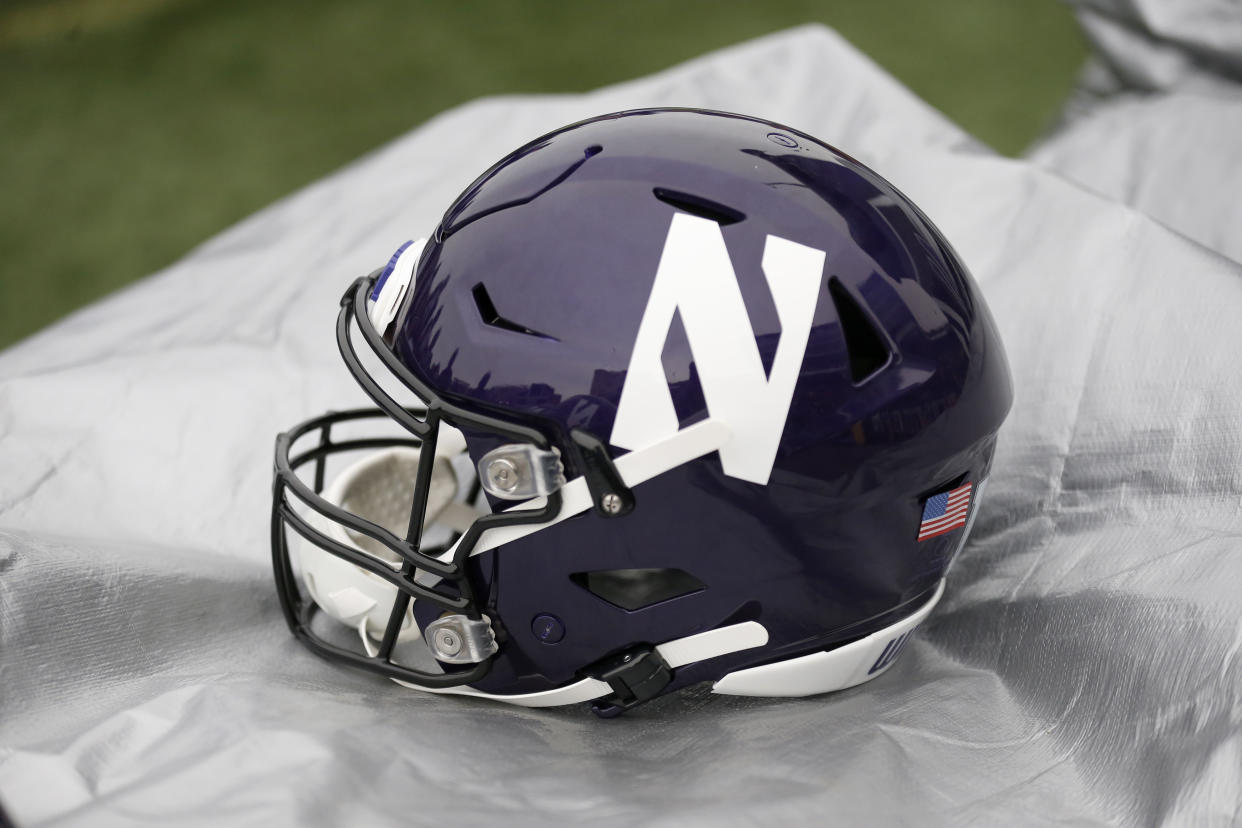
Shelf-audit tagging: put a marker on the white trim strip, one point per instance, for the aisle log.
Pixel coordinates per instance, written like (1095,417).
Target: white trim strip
(676,653)
(718,642)
(829,670)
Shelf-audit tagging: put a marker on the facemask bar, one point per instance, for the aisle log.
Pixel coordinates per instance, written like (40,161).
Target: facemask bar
(299,610)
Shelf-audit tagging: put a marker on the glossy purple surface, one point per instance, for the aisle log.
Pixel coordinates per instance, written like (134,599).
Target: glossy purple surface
(565,235)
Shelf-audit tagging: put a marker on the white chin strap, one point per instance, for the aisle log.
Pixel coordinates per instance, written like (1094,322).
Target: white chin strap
(379,488)
(676,653)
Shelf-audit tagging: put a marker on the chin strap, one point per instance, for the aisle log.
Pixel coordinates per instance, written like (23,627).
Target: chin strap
(808,675)
(676,653)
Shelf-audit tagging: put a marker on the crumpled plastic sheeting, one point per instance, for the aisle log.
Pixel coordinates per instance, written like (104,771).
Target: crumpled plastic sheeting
(1084,667)
(1158,121)
(1158,45)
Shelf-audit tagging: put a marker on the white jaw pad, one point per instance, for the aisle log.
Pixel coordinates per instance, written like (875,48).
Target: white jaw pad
(676,653)
(824,672)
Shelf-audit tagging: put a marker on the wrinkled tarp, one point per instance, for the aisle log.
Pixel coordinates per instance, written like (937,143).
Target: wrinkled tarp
(1083,667)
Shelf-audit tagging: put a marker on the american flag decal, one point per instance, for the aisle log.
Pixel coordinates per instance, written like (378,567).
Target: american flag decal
(945,512)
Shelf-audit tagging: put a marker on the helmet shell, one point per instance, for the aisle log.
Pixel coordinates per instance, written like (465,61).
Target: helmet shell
(527,304)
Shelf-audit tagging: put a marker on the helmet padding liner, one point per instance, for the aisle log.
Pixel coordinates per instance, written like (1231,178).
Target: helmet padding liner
(378,488)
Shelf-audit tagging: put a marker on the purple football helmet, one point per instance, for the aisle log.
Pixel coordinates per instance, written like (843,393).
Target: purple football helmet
(701,398)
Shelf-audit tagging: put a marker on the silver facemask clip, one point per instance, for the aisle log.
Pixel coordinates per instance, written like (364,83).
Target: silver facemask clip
(520,471)
(456,639)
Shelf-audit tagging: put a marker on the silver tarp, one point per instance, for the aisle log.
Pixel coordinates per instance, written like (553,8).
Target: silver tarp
(1083,668)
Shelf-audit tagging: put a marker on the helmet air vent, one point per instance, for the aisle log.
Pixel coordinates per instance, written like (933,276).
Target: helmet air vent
(699,206)
(635,589)
(491,316)
(867,350)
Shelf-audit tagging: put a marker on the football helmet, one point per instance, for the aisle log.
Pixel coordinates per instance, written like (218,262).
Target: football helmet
(695,398)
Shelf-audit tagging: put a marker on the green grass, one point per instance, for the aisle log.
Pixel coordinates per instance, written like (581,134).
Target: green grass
(131,130)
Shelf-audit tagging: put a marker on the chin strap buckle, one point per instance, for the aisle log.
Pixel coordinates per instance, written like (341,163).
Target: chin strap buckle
(635,675)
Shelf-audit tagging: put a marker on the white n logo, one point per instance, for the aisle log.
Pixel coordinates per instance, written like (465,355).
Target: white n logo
(696,279)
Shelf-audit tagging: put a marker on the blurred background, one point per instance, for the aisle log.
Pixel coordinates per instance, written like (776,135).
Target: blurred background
(132,130)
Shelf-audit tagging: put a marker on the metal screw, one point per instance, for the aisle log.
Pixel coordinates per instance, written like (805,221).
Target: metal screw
(447,643)
(610,503)
(547,628)
(503,474)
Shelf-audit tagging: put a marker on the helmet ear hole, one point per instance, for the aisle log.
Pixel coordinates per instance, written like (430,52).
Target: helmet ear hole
(635,589)
(867,350)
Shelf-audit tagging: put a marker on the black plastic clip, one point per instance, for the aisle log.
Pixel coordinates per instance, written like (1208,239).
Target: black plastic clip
(611,497)
(636,675)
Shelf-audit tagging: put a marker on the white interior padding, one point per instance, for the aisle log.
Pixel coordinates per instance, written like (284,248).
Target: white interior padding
(378,488)
(381,489)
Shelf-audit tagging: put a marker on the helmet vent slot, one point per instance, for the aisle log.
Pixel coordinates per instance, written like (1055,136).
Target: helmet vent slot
(635,589)
(491,316)
(699,206)
(867,350)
